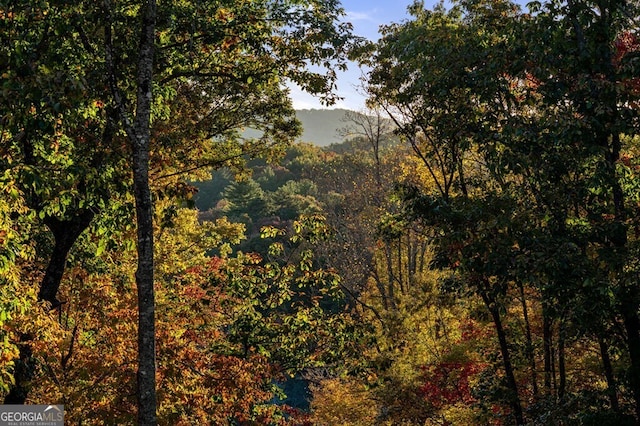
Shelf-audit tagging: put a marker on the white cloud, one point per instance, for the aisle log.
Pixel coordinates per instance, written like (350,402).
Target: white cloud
(302,100)
(347,90)
(361,16)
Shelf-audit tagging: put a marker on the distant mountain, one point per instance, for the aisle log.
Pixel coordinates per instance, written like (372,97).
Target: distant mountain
(321,126)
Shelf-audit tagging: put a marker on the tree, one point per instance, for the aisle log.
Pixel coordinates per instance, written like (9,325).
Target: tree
(181,52)
(58,137)
(584,54)
(374,129)
(246,202)
(520,130)
(437,95)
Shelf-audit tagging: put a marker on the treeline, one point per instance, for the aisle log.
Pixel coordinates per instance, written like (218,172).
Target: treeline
(493,253)
(505,277)
(114,300)
(469,254)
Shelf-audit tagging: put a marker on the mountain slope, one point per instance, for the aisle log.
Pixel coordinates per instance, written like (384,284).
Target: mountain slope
(321,126)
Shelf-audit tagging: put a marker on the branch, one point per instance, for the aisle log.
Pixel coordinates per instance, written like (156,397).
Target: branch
(67,357)
(111,71)
(220,74)
(195,73)
(364,305)
(212,163)
(85,40)
(577,28)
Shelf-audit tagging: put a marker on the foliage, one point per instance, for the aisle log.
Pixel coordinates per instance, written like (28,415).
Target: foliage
(94,94)
(516,123)
(471,261)
(345,402)
(229,326)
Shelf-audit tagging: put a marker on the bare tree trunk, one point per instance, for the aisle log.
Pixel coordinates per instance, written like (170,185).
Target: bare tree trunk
(144,217)
(608,374)
(514,398)
(401,279)
(632,326)
(411,261)
(530,352)
(390,277)
(562,371)
(23,371)
(139,135)
(381,289)
(547,337)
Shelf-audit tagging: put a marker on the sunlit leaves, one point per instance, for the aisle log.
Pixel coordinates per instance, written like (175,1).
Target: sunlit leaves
(523,125)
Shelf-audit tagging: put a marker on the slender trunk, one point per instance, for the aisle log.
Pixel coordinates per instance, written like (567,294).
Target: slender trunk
(547,337)
(514,399)
(401,279)
(562,371)
(23,371)
(554,377)
(140,135)
(608,374)
(381,289)
(390,277)
(530,352)
(423,250)
(632,327)
(411,261)
(461,178)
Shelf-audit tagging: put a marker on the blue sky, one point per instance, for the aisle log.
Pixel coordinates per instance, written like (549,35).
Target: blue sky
(366,16)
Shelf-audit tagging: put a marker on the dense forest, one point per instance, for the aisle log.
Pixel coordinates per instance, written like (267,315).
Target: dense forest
(466,253)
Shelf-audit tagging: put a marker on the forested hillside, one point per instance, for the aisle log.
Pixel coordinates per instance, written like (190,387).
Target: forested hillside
(321,127)
(465,252)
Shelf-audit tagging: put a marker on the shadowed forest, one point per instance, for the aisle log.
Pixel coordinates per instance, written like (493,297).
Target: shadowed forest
(465,251)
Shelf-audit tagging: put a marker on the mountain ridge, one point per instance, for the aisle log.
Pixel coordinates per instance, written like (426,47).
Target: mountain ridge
(321,126)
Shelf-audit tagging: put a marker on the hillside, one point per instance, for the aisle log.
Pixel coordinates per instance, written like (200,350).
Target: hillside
(321,125)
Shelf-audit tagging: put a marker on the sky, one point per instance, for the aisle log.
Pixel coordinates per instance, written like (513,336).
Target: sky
(366,16)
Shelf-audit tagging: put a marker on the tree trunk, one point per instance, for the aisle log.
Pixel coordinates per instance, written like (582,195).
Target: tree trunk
(514,399)
(608,374)
(547,337)
(411,261)
(146,297)
(139,136)
(530,352)
(562,371)
(632,327)
(23,371)
(401,279)
(65,233)
(381,289)
(390,277)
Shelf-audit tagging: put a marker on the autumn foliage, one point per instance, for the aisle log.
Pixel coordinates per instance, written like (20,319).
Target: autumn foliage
(468,255)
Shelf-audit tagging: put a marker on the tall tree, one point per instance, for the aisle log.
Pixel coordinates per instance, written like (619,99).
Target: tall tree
(140,67)
(139,135)
(255,36)
(520,129)
(440,98)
